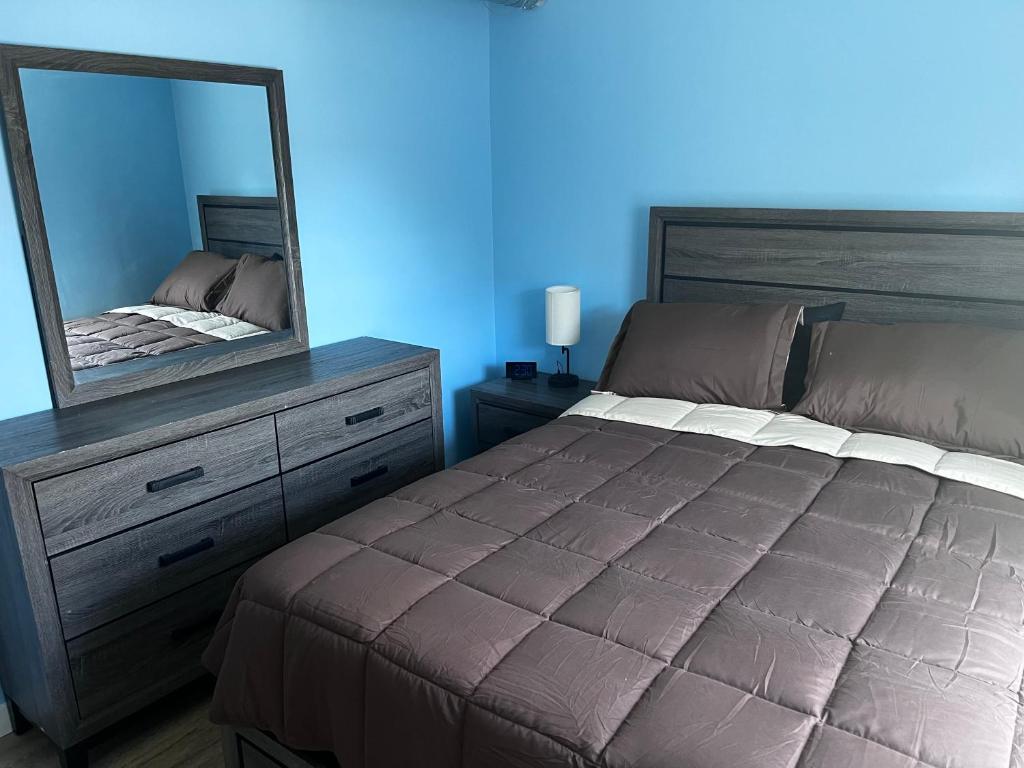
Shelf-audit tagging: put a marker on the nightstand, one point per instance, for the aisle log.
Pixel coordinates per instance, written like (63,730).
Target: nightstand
(504,408)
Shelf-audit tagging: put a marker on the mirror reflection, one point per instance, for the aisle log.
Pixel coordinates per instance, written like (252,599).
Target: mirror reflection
(160,204)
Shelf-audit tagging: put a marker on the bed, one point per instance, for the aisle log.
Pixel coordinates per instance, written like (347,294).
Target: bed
(646,583)
(231,226)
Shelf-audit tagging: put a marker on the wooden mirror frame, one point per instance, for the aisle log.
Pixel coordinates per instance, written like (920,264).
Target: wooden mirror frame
(64,389)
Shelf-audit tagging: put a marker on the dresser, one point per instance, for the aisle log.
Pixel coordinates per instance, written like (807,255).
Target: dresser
(127,522)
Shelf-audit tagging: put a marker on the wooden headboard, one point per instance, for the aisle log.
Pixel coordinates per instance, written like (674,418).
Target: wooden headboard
(888,266)
(236,225)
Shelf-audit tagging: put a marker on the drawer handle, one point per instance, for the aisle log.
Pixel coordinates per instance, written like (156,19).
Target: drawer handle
(373,474)
(373,413)
(169,482)
(187,632)
(185,552)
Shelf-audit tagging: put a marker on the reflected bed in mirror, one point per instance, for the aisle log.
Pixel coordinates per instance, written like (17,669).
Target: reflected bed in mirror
(157,214)
(230,286)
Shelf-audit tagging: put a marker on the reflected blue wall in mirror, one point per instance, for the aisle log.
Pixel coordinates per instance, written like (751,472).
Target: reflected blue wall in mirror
(222,128)
(120,161)
(110,179)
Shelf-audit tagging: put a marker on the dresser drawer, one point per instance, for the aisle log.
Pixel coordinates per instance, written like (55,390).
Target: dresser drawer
(496,425)
(149,652)
(108,579)
(321,428)
(323,491)
(100,500)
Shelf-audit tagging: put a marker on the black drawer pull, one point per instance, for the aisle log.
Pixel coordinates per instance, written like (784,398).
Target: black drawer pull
(185,552)
(169,482)
(200,625)
(373,474)
(373,413)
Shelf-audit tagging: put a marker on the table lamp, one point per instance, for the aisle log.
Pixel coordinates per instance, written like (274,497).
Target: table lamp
(563,327)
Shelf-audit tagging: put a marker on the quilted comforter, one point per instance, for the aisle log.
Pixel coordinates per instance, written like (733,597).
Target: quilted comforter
(128,333)
(604,593)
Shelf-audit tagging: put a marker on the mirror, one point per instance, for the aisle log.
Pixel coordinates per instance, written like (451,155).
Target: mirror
(157,214)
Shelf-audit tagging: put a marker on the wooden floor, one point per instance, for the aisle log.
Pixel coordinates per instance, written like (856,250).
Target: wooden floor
(174,733)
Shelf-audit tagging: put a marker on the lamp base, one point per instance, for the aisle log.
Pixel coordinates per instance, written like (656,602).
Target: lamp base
(563,380)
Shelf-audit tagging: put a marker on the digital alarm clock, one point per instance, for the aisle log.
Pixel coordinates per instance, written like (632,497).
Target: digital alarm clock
(520,371)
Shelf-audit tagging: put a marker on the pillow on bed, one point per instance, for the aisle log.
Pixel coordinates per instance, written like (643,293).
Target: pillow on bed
(800,352)
(705,353)
(197,282)
(258,293)
(956,386)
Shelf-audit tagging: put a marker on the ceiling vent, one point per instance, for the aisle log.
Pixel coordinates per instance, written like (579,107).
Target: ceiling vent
(526,5)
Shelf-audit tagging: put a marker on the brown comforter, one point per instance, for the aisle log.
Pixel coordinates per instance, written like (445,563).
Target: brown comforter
(596,593)
(115,337)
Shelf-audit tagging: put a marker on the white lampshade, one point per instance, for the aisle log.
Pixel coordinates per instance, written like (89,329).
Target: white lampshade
(563,315)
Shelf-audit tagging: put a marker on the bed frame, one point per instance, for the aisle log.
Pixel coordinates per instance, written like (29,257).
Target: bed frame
(236,225)
(888,266)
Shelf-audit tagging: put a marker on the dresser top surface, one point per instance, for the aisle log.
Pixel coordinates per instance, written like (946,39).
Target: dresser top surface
(207,398)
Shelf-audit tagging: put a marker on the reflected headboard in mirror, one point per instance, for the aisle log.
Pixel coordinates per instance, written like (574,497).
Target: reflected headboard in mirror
(236,225)
(157,216)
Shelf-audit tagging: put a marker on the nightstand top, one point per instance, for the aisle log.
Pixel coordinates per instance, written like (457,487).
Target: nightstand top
(533,394)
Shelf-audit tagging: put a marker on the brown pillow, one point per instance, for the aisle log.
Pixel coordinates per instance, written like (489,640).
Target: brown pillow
(705,353)
(197,282)
(955,386)
(258,293)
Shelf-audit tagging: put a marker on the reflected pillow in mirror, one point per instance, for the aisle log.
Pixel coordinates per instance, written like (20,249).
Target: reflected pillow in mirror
(258,293)
(197,282)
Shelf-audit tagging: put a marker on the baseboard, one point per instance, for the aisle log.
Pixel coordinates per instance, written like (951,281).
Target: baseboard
(5,719)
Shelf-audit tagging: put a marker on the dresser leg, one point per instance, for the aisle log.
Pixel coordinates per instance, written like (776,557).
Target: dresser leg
(76,756)
(19,723)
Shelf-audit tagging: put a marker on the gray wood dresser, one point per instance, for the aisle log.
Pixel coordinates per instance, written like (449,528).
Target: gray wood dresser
(126,522)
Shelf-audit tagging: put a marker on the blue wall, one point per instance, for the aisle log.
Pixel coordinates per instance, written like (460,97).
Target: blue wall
(389,116)
(110,179)
(224,140)
(601,108)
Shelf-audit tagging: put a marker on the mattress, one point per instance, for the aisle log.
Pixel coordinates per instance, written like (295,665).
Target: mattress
(604,592)
(128,333)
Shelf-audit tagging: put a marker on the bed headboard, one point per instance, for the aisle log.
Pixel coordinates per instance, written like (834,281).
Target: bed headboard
(236,225)
(888,266)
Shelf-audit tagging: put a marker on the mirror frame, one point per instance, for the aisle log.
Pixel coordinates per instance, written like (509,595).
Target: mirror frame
(65,391)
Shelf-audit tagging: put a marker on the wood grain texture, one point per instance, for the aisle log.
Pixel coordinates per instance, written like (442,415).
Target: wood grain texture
(138,658)
(436,408)
(533,396)
(495,424)
(312,431)
(936,264)
(110,578)
(888,266)
(253,220)
(65,388)
(86,504)
(35,670)
(44,447)
(48,442)
(860,307)
(323,491)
